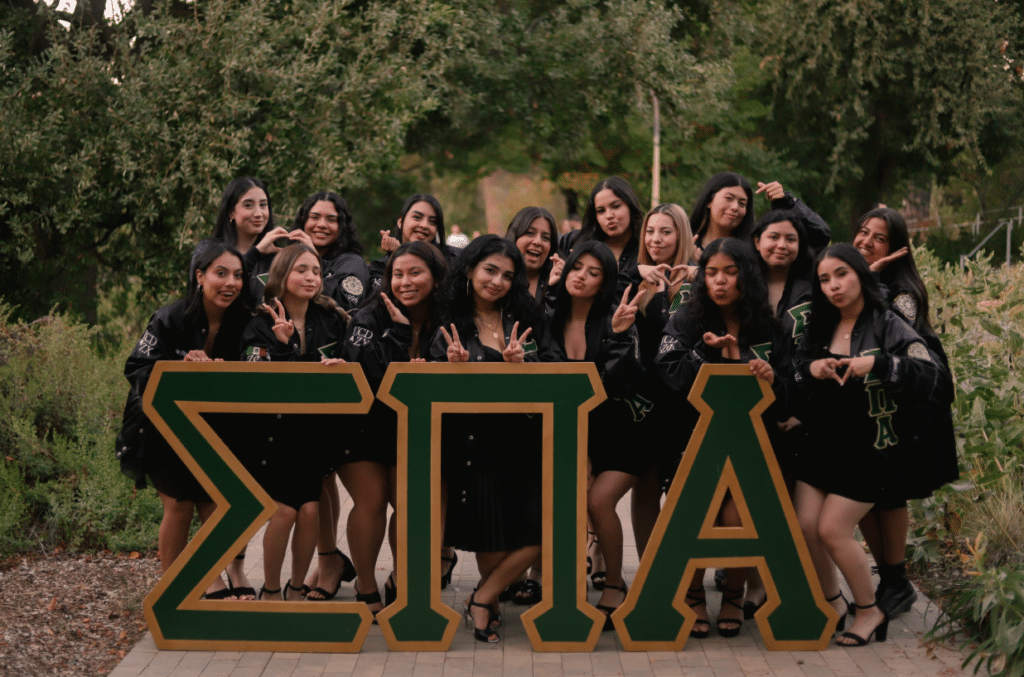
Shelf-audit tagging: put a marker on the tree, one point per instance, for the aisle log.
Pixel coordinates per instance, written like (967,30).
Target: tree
(119,137)
(870,93)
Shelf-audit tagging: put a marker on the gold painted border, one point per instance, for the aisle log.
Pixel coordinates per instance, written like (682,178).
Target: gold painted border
(192,409)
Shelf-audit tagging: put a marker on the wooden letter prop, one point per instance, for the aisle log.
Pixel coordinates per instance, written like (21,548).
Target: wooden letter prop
(178,392)
(563,394)
(728,450)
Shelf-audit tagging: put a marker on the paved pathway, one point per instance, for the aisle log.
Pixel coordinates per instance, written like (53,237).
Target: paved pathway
(902,655)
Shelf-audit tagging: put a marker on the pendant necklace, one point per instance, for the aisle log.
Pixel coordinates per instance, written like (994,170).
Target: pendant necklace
(491,326)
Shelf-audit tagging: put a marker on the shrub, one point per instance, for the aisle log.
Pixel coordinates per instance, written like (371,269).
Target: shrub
(60,411)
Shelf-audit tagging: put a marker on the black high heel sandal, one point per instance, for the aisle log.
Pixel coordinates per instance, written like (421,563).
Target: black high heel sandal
(609,610)
(880,633)
(446,577)
(698,601)
(242,592)
(730,596)
(348,574)
(485,634)
(264,590)
(841,625)
(369,598)
(288,586)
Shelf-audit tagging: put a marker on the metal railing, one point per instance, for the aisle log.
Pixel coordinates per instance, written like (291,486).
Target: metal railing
(975,225)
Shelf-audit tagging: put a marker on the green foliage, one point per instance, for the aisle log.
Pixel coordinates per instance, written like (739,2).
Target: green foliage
(870,94)
(118,140)
(980,316)
(988,615)
(60,412)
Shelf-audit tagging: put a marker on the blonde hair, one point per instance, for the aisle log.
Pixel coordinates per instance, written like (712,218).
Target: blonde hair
(685,248)
(282,266)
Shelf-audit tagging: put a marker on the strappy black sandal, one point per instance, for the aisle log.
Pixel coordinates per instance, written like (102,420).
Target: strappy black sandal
(700,600)
(609,610)
(730,597)
(446,577)
(880,633)
(487,633)
(264,590)
(348,574)
(841,625)
(529,593)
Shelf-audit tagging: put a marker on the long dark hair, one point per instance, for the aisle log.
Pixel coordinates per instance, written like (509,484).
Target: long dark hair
(438,266)
(208,252)
(280,268)
(801,266)
(521,223)
(826,316)
(348,237)
(901,275)
(458,298)
(699,215)
(439,237)
(602,306)
(755,315)
(590,230)
(226,229)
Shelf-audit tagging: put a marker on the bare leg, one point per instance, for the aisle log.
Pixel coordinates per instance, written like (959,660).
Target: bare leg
(808,502)
(604,495)
(327,537)
(839,516)
(174,528)
(275,543)
(646,506)
(367,483)
(307,523)
(498,571)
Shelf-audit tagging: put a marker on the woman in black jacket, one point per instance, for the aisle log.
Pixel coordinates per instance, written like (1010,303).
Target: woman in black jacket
(587,326)
(206,325)
(490,462)
(289,454)
(727,321)
(421,219)
(613,216)
(394,325)
(533,231)
(869,372)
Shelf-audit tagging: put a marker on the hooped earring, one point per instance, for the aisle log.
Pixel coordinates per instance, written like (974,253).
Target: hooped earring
(468,292)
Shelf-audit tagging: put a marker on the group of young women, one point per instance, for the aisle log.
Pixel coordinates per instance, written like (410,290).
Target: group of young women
(840,333)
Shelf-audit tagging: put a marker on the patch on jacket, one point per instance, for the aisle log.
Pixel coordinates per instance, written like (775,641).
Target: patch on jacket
(255,354)
(352,285)
(146,344)
(263,278)
(327,350)
(919,351)
(668,344)
(361,336)
(906,304)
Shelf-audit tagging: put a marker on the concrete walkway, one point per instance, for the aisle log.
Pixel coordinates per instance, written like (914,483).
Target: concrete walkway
(902,655)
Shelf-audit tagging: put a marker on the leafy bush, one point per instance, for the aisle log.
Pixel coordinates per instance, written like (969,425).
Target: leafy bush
(60,411)
(980,316)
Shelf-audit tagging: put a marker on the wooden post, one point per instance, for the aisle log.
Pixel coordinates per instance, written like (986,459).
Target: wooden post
(656,162)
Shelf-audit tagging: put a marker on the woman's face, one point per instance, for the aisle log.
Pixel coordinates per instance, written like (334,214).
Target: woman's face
(222,280)
(322,224)
(778,244)
(411,280)
(304,278)
(612,213)
(420,223)
(839,282)
(251,212)
(661,238)
(586,277)
(728,208)
(535,244)
(872,239)
(492,278)
(721,274)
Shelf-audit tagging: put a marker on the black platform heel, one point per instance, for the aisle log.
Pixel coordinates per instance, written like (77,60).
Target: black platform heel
(698,601)
(487,633)
(731,597)
(609,610)
(446,577)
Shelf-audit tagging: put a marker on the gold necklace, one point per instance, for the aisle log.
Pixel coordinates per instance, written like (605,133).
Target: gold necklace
(491,326)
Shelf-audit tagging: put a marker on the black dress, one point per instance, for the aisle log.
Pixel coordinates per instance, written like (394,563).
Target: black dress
(492,464)
(171,334)
(289,454)
(859,434)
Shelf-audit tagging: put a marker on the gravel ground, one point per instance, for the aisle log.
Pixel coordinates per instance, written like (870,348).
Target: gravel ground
(72,614)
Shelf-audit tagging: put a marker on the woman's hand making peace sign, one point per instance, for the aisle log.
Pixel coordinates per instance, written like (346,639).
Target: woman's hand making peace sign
(625,314)
(514,350)
(283,327)
(456,353)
